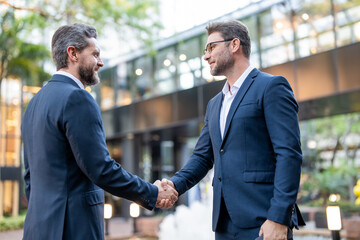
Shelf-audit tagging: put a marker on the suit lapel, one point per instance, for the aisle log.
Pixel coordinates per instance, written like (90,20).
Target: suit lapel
(238,98)
(215,119)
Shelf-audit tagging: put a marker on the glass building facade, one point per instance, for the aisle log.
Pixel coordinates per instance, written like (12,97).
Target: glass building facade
(10,142)
(153,104)
(281,31)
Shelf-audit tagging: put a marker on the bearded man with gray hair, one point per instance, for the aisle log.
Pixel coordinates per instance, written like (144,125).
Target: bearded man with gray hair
(67,164)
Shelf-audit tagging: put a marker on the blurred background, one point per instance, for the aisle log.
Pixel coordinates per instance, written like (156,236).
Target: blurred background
(155,86)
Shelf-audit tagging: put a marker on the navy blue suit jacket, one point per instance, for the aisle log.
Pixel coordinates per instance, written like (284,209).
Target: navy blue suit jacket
(67,163)
(258,162)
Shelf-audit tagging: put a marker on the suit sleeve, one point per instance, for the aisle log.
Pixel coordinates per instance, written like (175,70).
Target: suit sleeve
(200,162)
(27,179)
(281,116)
(84,130)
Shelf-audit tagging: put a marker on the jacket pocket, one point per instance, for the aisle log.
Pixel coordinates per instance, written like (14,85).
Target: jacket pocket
(95,197)
(259,176)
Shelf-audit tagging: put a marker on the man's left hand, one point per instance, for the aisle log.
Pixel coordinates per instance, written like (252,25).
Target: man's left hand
(273,231)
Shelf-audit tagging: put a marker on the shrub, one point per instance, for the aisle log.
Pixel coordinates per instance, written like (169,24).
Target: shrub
(12,223)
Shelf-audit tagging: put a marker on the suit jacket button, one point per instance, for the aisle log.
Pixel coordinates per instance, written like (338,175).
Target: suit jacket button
(222,151)
(219,179)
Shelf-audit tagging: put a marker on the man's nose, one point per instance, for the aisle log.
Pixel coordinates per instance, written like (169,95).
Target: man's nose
(100,63)
(206,56)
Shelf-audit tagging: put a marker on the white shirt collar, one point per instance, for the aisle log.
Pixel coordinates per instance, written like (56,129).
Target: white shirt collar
(238,82)
(78,82)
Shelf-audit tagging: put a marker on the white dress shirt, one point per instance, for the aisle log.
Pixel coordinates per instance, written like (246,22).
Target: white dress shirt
(72,77)
(229,95)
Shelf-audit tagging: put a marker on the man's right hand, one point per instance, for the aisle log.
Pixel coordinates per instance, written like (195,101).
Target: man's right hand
(167,195)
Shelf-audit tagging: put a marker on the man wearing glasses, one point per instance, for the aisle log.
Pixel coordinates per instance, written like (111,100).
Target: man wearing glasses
(251,136)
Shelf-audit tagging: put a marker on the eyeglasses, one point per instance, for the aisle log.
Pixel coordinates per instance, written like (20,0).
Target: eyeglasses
(209,48)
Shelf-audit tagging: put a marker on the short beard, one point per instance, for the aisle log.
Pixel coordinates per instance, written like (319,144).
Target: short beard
(223,62)
(88,76)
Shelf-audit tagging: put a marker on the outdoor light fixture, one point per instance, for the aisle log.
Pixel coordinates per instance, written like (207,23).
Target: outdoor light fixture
(134,213)
(167,62)
(138,71)
(311,144)
(305,16)
(279,25)
(333,217)
(182,57)
(334,197)
(107,216)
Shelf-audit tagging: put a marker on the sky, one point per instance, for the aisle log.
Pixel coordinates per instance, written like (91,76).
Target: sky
(176,16)
(180,15)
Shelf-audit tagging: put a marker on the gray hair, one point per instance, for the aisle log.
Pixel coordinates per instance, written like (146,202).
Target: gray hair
(75,35)
(232,29)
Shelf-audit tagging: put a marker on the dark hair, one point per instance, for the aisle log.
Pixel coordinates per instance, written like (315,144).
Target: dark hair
(232,29)
(75,35)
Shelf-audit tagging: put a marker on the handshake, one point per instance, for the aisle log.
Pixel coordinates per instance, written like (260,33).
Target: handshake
(167,194)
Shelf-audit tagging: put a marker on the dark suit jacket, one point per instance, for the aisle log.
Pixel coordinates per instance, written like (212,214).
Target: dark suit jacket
(67,163)
(258,163)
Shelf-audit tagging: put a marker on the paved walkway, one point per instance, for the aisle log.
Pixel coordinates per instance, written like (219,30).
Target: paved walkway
(122,229)
(119,229)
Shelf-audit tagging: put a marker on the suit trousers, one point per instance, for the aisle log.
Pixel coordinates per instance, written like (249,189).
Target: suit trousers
(226,230)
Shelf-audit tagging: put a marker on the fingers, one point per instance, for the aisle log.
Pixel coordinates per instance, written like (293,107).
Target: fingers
(168,182)
(260,232)
(167,194)
(272,230)
(164,204)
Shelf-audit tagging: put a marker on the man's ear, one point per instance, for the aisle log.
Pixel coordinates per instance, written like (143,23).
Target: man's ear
(72,53)
(235,45)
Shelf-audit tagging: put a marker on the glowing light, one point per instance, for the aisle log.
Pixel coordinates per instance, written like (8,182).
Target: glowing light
(182,57)
(334,197)
(357,31)
(333,217)
(305,16)
(167,62)
(279,25)
(138,71)
(313,50)
(311,144)
(107,211)
(134,210)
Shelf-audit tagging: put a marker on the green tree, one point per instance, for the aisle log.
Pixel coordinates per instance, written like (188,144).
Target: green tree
(337,136)
(18,58)
(138,17)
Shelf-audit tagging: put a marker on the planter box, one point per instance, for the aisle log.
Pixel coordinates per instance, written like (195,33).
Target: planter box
(148,226)
(320,220)
(352,227)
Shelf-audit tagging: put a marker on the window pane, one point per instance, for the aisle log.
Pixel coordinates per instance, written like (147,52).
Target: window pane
(189,63)
(106,88)
(165,71)
(123,82)
(250,22)
(314,23)
(143,72)
(347,21)
(276,35)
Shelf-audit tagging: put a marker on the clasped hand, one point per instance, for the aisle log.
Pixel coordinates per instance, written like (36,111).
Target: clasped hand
(167,195)
(272,230)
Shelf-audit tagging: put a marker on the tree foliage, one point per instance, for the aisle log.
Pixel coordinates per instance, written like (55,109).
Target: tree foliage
(22,58)
(18,57)
(141,16)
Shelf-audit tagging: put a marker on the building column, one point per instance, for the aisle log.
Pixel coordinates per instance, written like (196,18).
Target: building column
(128,162)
